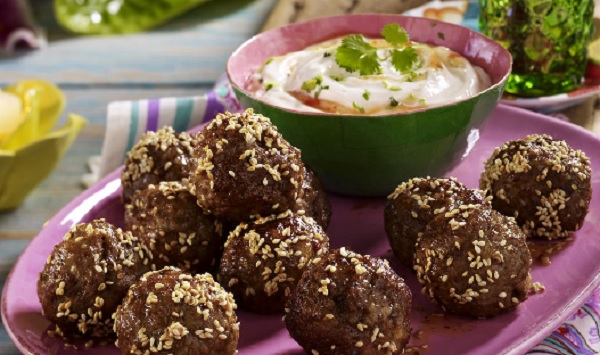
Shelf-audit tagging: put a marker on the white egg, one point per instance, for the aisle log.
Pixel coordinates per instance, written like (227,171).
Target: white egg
(10,113)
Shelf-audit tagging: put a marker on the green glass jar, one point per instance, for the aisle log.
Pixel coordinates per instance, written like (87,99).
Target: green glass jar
(548,41)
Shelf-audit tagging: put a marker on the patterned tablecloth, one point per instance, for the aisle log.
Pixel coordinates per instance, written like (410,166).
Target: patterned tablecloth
(580,334)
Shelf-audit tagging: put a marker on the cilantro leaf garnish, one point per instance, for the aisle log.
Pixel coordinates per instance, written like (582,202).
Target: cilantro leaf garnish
(356,54)
(404,59)
(394,34)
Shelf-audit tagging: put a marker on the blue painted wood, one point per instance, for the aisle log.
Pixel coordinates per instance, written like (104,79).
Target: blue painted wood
(9,252)
(193,49)
(91,102)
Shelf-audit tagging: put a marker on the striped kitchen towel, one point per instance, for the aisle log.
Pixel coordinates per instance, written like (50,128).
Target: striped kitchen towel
(126,121)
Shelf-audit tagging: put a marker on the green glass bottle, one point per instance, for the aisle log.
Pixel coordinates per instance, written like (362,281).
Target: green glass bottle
(548,41)
(117,16)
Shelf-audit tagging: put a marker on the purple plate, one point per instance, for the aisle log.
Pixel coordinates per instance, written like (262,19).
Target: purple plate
(358,223)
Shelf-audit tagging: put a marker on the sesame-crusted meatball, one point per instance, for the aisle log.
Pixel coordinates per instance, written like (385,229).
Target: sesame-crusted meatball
(347,303)
(542,182)
(315,202)
(474,261)
(246,168)
(167,219)
(172,312)
(87,275)
(158,156)
(416,202)
(264,259)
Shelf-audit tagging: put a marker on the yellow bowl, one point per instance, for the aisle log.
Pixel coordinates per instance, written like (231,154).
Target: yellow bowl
(30,154)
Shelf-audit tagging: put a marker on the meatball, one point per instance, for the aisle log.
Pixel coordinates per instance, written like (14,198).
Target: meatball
(415,203)
(315,202)
(246,168)
(159,156)
(87,275)
(264,259)
(474,261)
(167,219)
(172,312)
(542,182)
(346,303)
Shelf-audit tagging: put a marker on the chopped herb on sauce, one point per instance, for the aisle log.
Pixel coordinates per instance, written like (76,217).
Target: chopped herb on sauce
(366,95)
(269,85)
(357,107)
(311,84)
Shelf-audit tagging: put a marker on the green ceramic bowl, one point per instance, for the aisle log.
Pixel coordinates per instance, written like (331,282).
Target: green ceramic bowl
(371,155)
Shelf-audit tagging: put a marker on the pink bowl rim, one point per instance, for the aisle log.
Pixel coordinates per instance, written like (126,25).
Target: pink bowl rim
(311,23)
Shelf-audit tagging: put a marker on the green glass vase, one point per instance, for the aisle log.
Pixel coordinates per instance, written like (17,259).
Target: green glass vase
(548,41)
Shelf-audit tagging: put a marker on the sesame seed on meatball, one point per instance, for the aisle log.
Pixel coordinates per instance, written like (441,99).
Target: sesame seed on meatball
(542,182)
(87,275)
(167,219)
(264,259)
(474,261)
(347,303)
(246,168)
(173,312)
(158,156)
(415,203)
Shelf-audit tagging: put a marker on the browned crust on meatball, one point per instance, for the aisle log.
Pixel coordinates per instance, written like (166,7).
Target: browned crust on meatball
(474,261)
(246,168)
(264,259)
(168,220)
(315,202)
(542,182)
(87,275)
(415,203)
(347,303)
(158,156)
(171,312)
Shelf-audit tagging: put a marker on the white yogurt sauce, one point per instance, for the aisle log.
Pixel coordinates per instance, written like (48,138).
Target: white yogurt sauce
(443,76)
